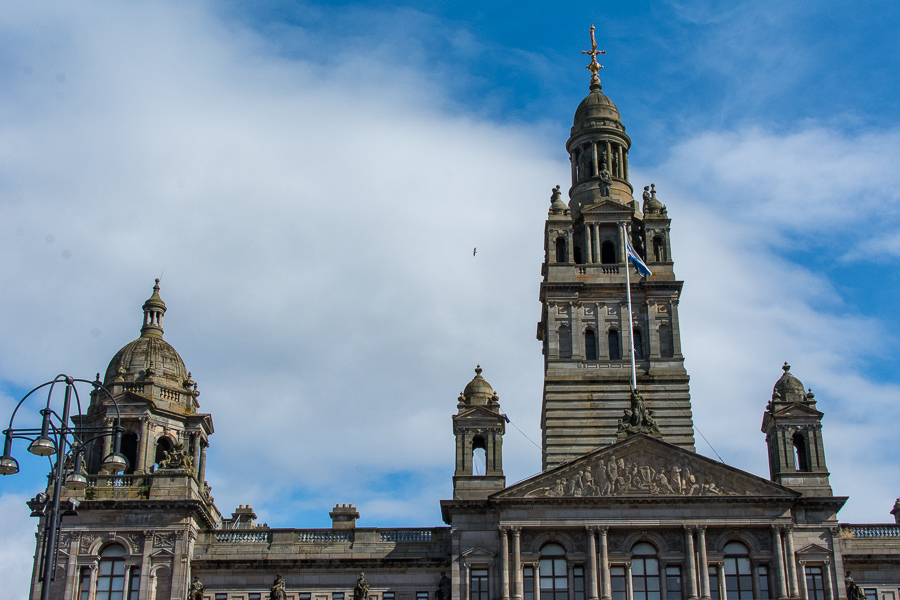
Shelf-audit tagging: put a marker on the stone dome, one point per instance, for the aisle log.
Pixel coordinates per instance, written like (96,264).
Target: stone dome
(478,391)
(149,355)
(596,106)
(788,388)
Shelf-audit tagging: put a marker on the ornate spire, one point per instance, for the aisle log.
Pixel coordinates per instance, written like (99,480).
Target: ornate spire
(594,67)
(154,309)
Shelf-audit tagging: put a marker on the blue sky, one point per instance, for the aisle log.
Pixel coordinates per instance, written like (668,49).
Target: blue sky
(309,179)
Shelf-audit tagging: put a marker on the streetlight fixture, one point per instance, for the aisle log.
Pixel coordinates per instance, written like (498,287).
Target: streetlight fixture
(60,437)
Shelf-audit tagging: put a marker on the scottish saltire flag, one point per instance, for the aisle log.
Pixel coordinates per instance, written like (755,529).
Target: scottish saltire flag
(642,268)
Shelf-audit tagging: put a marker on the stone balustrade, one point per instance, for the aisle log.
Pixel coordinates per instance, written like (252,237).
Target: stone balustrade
(870,531)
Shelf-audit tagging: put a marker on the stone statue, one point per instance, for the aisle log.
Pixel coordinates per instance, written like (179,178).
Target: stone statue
(196,590)
(177,458)
(853,591)
(277,591)
(646,196)
(361,591)
(605,181)
(639,418)
(443,592)
(555,195)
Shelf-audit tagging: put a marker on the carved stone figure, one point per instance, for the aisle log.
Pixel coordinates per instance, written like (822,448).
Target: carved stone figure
(605,181)
(177,458)
(196,590)
(638,419)
(444,586)
(853,590)
(361,591)
(646,196)
(277,591)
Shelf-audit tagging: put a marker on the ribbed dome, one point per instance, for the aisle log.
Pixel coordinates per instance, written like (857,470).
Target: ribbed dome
(478,391)
(147,356)
(596,106)
(788,388)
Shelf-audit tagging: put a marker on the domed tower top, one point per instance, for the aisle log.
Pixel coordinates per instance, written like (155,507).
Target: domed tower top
(598,147)
(479,392)
(150,358)
(788,388)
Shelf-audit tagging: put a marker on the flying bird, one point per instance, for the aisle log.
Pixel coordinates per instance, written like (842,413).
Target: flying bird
(474,251)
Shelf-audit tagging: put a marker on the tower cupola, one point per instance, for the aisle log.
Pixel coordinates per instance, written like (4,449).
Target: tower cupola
(479,427)
(598,147)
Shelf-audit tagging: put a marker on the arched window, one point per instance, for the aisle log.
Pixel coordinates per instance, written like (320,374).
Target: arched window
(644,572)
(163,582)
(659,249)
(554,578)
(565,342)
(665,341)
(613,339)
(479,452)
(561,254)
(590,345)
(638,344)
(129,450)
(111,575)
(163,445)
(578,259)
(608,253)
(801,457)
(738,577)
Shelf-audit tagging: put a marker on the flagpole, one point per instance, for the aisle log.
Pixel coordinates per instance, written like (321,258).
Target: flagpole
(630,317)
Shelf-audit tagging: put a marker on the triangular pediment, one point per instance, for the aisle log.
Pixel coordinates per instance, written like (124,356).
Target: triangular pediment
(642,466)
(162,553)
(797,410)
(477,552)
(813,551)
(478,412)
(605,206)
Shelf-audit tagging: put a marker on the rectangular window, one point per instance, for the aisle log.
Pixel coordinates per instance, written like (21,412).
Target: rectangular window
(478,582)
(815,586)
(421,595)
(528,583)
(673,582)
(578,573)
(871,594)
(84,586)
(384,596)
(617,582)
(258,596)
(221,596)
(337,596)
(763,572)
(713,582)
(134,583)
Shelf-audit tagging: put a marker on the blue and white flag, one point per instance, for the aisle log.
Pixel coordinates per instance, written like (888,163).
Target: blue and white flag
(642,268)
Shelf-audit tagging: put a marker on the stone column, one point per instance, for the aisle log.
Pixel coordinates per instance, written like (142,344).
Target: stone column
(589,252)
(592,563)
(517,563)
(778,553)
(73,572)
(802,582)
(201,473)
(720,579)
(690,562)
(595,231)
(504,563)
(107,446)
(676,329)
(609,157)
(754,566)
(95,568)
(629,589)
(144,590)
(595,171)
(572,166)
(625,162)
(605,582)
(143,447)
(704,566)
(791,561)
(196,453)
(826,580)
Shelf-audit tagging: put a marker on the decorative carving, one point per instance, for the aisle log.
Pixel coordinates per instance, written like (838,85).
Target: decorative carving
(277,591)
(674,540)
(616,541)
(164,540)
(197,589)
(605,181)
(444,585)
(177,458)
(639,418)
(853,591)
(87,540)
(135,540)
(361,591)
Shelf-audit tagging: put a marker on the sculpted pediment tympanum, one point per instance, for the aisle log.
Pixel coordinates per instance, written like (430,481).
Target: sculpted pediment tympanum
(643,466)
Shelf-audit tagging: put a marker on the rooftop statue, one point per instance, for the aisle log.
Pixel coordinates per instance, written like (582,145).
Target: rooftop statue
(277,591)
(196,590)
(361,591)
(639,418)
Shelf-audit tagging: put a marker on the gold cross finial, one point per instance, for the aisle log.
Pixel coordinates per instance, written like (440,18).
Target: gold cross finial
(594,67)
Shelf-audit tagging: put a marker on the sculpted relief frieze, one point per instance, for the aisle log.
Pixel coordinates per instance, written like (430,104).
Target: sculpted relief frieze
(641,474)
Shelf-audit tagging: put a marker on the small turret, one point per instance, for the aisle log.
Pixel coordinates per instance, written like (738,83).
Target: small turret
(479,427)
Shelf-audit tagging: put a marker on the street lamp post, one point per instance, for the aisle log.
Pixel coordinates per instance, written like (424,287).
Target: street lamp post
(61,438)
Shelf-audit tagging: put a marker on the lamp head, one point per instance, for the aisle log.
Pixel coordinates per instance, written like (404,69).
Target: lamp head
(115,463)
(43,446)
(8,465)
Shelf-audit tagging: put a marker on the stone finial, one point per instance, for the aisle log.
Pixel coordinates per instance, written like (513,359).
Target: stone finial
(896,511)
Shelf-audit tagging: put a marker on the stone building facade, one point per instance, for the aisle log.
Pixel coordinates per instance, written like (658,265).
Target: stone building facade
(624,509)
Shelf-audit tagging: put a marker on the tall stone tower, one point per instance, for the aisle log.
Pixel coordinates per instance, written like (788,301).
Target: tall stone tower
(584,321)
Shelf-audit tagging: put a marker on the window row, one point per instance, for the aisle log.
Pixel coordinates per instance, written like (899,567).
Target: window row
(310,596)
(613,344)
(608,252)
